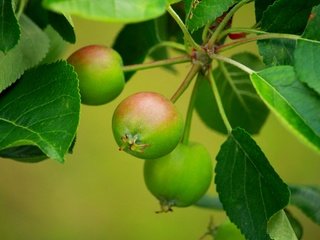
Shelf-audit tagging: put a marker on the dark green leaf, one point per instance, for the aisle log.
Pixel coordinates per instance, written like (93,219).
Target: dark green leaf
(35,11)
(41,109)
(287,16)
(277,51)
(312,30)
(260,7)
(279,227)
(292,101)
(248,187)
(112,11)
(42,17)
(307,54)
(307,60)
(134,50)
(296,225)
(61,24)
(307,199)
(27,154)
(199,13)
(30,154)
(9,26)
(242,105)
(30,50)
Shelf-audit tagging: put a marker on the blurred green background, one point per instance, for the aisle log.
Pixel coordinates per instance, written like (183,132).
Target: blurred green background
(99,193)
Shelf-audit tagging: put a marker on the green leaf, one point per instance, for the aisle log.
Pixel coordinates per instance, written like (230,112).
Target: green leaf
(242,105)
(173,1)
(279,227)
(27,154)
(42,17)
(9,26)
(30,154)
(41,109)
(248,187)
(307,199)
(111,11)
(63,26)
(312,29)
(306,65)
(293,102)
(57,46)
(199,13)
(281,51)
(307,54)
(277,51)
(260,7)
(295,16)
(134,50)
(30,50)
(295,224)
(37,13)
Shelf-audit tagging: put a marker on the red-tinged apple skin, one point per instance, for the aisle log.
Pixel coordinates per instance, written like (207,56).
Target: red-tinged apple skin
(180,178)
(99,69)
(147,125)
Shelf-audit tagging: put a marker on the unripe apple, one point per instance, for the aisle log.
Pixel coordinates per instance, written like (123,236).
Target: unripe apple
(99,69)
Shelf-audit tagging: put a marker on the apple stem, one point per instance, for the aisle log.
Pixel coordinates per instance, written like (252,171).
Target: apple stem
(155,64)
(187,126)
(186,82)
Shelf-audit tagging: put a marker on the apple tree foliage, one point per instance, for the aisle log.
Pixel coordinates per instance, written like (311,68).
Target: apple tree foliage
(40,100)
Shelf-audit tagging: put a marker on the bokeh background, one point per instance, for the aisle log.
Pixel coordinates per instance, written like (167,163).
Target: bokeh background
(99,192)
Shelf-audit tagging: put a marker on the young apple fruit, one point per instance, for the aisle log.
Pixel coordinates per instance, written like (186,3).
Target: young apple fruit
(99,69)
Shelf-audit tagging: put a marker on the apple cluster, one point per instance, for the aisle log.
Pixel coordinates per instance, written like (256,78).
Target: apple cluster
(148,126)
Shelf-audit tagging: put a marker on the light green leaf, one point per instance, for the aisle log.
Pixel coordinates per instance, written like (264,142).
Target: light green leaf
(41,109)
(9,26)
(279,227)
(199,13)
(307,199)
(30,50)
(292,101)
(248,187)
(173,1)
(57,46)
(111,11)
